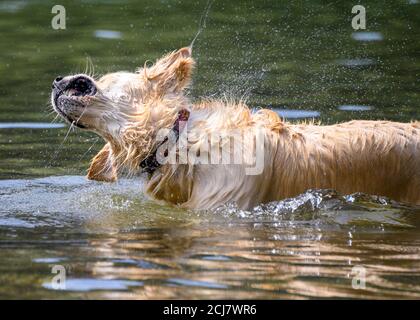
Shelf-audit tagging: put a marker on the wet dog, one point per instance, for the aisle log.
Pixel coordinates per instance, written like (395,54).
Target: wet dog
(130,110)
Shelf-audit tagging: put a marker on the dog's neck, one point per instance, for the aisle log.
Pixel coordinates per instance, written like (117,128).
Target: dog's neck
(134,144)
(150,164)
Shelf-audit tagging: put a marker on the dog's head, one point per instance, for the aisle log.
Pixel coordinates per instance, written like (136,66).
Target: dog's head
(126,109)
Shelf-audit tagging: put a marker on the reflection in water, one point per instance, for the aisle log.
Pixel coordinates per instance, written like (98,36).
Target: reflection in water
(116,244)
(354,108)
(367,36)
(356,63)
(107,34)
(12,6)
(95,284)
(297,114)
(30,125)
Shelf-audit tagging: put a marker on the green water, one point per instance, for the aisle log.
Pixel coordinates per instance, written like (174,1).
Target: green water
(300,58)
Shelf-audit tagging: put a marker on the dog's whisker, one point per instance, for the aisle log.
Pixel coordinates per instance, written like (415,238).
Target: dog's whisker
(55,118)
(90,148)
(81,115)
(58,150)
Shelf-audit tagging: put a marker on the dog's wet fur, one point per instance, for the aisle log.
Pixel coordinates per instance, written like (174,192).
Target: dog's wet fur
(127,110)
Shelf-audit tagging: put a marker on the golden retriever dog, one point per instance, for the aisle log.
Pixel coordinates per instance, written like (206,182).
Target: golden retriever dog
(130,110)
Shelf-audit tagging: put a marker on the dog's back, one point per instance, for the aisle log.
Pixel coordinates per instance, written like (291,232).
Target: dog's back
(375,157)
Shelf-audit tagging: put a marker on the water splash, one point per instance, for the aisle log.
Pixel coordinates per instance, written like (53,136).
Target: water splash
(202,23)
(328,207)
(73,201)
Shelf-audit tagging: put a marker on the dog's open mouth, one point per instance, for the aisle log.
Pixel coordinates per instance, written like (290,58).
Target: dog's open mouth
(81,86)
(70,97)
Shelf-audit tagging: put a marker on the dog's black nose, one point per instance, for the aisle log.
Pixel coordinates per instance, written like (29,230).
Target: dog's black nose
(57,81)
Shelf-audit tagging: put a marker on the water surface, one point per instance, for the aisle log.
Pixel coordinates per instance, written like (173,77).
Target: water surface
(302,59)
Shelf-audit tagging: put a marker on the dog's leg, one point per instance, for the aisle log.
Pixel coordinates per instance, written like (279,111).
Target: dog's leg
(101,167)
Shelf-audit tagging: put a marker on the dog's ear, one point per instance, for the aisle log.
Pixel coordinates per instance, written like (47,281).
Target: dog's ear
(172,73)
(101,167)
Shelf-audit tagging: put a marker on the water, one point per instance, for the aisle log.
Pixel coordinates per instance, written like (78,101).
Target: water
(107,34)
(367,36)
(30,125)
(304,61)
(114,243)
(354,108)
(296,114)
